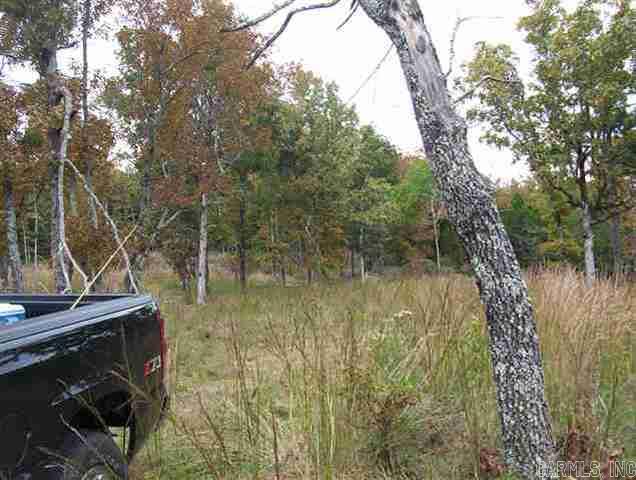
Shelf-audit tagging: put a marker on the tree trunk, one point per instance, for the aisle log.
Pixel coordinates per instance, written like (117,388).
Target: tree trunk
(242,237)
(203,252)
(57,218)
(15,262)
(514,345)
(27,259)
(36,262)
(353,262)
(307,261)
(58,136)
(588,245)
(207,276)
(615,227)
(273,249)
(4,272)
(613,194)
(86,21)
(617,245)
(283,273)
(363,273)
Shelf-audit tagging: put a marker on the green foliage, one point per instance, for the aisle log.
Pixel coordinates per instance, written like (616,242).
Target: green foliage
(34,29)
(573,121)
(525,230)
(416,188)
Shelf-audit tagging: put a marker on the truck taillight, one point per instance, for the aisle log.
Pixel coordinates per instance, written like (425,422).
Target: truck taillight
(164,343)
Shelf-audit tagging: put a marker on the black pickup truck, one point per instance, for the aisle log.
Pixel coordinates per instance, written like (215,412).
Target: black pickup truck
(68,378)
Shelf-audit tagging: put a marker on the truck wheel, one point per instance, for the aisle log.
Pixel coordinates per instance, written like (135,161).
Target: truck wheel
(92,455)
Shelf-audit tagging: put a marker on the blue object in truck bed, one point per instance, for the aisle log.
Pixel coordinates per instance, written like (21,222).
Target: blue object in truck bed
(10,314)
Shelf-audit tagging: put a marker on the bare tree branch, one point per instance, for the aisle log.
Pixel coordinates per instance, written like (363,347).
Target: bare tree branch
(59,254)
(458,24)
(110,221)
(354,8)
(165,221)
(75,264)
(371,75)
(263,48)
(255,21)
(104,267)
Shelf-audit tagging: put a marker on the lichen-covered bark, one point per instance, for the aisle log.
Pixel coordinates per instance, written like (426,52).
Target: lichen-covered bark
(58,136)
(514,344)
(14,260)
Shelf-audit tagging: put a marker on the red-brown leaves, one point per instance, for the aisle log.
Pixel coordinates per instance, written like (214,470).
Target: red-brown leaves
(490,463)
(578,446)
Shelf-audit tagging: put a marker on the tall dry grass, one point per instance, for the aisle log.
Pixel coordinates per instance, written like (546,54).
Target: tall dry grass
(390,379)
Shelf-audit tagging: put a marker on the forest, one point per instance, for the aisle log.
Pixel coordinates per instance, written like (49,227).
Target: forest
(235,188)
(273,169)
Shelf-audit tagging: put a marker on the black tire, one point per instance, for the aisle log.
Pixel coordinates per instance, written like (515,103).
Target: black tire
(91,455)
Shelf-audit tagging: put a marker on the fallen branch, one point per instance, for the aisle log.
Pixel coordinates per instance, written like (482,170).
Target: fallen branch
(74,262)
(104,267)
(111,223)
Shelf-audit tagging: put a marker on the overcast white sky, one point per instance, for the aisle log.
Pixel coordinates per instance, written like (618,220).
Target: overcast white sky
(347,57)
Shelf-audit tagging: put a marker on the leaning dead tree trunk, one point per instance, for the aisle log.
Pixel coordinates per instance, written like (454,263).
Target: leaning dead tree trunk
(14,260)
(514,344)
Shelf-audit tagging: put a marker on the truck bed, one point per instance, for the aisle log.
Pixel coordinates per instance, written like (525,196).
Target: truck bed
(101,364)
(52,312)
(37,305)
